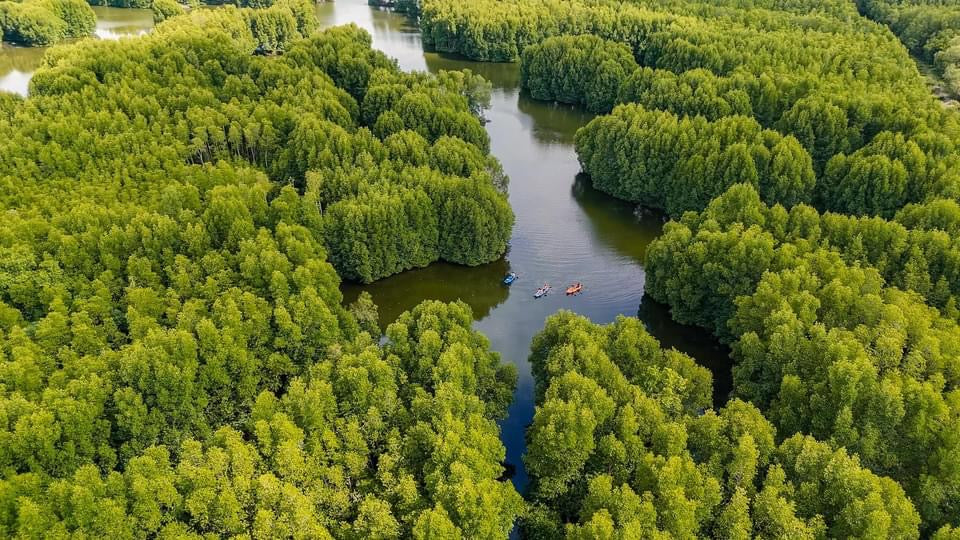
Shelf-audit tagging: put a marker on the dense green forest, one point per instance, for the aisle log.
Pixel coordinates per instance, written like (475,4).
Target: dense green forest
(148,4)
(583,70)
(822,343)
(43,22)
(842,86)
(814,184)
(176,358)
(623,445)
(679,163)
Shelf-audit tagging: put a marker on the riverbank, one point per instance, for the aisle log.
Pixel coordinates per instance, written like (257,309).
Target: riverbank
(17,63)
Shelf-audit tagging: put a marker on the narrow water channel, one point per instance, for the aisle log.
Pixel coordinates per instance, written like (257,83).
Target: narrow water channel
(565,230)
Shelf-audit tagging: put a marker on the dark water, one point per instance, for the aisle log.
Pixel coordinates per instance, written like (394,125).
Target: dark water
(17,64)
(565,230)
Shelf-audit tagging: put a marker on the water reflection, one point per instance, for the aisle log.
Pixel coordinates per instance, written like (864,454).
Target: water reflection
(478,286)
(553,123)
(393,34)
(17,64)
(609,217)
(116,23)
(503,76)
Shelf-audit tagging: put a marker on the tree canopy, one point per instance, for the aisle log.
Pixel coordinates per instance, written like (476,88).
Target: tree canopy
(396,164)
(931,30)
(623,445)
(582,70)
(676,164)
(821,342)
(842,86)
(44,22)
(175,356)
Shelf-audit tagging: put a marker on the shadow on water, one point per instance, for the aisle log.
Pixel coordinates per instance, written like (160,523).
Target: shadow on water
(608,218)
(478,286)
(693,341)
(555,123)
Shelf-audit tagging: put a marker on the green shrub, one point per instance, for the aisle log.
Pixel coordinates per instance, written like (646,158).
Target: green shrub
(164,9)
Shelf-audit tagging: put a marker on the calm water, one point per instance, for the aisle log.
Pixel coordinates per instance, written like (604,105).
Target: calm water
(17,64)
(565,230)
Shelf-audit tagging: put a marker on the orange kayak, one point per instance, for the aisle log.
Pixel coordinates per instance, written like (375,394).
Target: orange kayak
(575,288)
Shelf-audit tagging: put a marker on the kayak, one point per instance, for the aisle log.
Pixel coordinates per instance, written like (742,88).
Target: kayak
(541,291)
(575,288)
(510,278)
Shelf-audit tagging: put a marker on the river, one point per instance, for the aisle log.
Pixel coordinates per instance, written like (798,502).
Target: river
(565,230)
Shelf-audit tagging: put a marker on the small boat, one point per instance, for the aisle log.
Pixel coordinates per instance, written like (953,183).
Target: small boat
(510,278)
(575,288)
(542,291)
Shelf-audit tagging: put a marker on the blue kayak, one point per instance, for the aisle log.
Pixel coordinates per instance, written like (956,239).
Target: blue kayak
(510,278)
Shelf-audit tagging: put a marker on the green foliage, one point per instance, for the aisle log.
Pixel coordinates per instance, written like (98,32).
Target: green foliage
(164,9)
(150,4)
(840,85)
(822,343)
(947,533)
(365,312)
(676,164)
(621,446)
(383,221)
(446,200)
(368,441)
(931,30)
(43,22)
(942,214)
(79,18)
(495,30)
(175,358)
(696,92)
(583,70)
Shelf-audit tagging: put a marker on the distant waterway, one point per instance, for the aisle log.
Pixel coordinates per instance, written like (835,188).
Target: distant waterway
(17,64)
